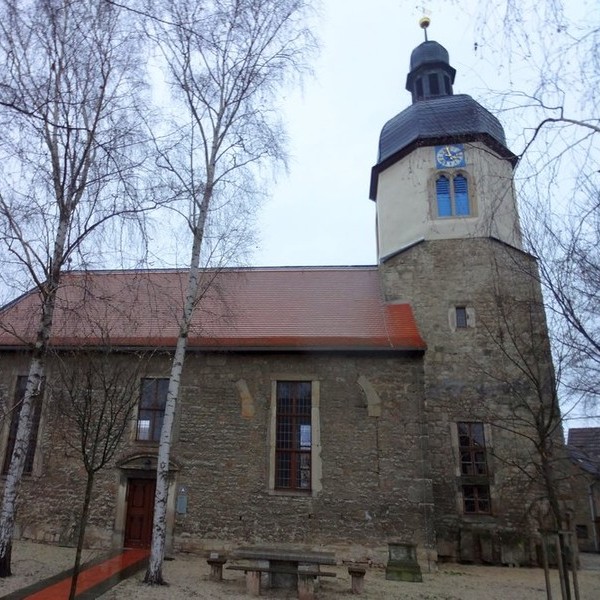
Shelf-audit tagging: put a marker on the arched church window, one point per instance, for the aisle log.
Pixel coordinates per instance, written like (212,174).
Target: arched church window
(444,202)
(461,196)
(452,196)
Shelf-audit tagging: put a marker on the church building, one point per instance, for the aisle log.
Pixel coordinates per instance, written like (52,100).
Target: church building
(326,407)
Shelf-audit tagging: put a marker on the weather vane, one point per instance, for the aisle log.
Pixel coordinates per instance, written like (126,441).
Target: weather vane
(424,24)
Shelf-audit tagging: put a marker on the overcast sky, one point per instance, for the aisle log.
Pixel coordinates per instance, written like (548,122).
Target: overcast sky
(320,214)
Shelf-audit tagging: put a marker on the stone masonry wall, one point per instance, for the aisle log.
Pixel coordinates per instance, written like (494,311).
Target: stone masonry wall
(474,374)
(374,486)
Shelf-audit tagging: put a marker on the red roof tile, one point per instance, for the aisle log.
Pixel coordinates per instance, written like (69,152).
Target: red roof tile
(256,308)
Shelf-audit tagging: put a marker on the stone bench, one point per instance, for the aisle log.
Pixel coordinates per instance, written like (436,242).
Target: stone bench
(306,578)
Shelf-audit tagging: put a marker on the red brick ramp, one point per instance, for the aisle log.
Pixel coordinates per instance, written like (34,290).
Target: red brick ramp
(94,580)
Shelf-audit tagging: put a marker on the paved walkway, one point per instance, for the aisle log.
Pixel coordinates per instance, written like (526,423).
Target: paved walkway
(93,581)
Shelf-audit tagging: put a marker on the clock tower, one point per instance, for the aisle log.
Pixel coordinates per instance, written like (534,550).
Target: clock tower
(443,169)
(449,244)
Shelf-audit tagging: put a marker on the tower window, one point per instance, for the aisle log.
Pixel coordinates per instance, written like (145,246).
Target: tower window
(434,85)
(447,86)
(461,196)
(419,89)
(461,317)
(452,196)
(475,476)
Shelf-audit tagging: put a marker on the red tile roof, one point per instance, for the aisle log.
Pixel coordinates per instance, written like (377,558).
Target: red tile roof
(255,308)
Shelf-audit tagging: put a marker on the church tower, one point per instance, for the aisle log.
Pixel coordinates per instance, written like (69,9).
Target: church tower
(443,169)
(449,243)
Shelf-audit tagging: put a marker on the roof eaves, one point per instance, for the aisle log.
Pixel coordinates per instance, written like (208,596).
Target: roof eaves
(419,141)
(406,343)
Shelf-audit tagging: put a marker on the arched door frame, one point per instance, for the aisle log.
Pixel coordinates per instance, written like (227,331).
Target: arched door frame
(142,466)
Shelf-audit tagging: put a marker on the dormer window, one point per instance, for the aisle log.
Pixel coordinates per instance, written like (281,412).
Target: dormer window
(452,196)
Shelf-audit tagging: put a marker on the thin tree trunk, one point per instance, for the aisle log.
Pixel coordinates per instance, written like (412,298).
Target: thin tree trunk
(17,464)
(545,564)
(562,558)
(561,568)
(85,511)
(159,524)
(16,467)
(34,384)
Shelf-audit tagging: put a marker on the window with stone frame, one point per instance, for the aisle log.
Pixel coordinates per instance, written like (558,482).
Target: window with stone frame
(14,424)
(153,398)
(474,471)
(293,436)
(452,195)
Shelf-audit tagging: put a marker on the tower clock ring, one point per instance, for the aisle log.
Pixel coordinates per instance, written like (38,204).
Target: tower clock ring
(449,156)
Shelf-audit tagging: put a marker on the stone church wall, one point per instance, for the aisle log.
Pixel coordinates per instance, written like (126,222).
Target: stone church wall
(374,482)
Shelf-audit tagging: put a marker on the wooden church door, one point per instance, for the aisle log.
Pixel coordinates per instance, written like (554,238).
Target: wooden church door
(140,509)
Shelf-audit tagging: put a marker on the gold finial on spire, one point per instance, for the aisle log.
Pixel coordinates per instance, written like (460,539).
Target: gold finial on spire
(424,24)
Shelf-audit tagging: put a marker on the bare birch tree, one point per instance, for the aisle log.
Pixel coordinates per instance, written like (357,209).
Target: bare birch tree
(528,378)
(68,86)
(225,60)
(554,115)
(96,395)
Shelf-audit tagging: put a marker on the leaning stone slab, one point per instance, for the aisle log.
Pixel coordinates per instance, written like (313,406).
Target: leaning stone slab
(402,562)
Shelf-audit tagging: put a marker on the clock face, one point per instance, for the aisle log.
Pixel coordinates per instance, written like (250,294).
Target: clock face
(451,155)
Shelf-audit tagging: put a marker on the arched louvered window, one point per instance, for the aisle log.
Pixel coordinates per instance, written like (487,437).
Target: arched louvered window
(452,196)
(461,196)
(444,202)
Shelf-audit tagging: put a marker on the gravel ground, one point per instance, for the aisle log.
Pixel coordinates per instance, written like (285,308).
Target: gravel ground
(187,575)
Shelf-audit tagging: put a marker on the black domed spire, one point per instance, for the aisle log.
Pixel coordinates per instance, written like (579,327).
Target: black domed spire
(431,75)
(436,115)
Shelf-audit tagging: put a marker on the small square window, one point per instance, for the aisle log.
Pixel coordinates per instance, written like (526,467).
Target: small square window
(461,317)
(582,532)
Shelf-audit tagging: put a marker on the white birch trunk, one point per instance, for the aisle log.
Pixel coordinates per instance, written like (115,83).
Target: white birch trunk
(159,524)
(32,389)
(59,86)
(222,81)
(17,463)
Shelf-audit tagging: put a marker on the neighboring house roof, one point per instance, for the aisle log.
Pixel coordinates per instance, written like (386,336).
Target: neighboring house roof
(584,448)
(255,308)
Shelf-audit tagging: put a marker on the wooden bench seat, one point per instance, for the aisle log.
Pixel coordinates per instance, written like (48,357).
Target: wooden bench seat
(306,578)
(278,570)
